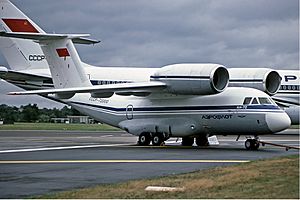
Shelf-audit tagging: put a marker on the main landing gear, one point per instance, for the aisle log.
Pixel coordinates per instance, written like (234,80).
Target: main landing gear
(252,144)
(157,139)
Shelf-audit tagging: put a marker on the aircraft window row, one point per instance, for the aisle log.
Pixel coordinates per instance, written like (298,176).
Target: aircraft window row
(110,82)
(259,100)
(290,87)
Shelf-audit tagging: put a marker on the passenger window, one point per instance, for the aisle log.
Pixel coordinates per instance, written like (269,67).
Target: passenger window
(264,100)
(254,101)
(247,100)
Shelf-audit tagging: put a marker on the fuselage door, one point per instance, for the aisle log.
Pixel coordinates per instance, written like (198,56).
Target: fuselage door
(129,112)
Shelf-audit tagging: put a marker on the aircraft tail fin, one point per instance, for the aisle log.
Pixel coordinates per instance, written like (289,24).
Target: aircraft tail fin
(65,64)
(20,54)
(63,60)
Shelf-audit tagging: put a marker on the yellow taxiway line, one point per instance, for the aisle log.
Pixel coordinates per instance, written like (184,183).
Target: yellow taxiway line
(116,161)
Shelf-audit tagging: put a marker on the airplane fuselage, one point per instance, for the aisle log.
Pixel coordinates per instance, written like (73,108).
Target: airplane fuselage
(180,115)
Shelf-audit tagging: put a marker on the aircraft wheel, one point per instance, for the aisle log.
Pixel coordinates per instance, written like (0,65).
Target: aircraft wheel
(248,144)
(144,139)
(187,141)
(202,140)
(157,139)
(251,144)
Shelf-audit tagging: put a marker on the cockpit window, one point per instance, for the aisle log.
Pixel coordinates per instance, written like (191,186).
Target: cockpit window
(247,100)
(254,101)
(264,100)
(272,102)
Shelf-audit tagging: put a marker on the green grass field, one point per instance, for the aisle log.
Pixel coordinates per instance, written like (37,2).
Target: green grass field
(58,126)
(268,179)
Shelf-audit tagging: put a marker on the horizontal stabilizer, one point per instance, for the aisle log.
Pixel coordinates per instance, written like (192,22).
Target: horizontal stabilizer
(125,88)
(76,38)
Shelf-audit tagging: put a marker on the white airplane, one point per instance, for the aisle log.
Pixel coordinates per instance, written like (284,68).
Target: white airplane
(190,101)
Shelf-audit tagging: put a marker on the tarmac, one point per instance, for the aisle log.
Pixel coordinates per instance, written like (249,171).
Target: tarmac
(40,162)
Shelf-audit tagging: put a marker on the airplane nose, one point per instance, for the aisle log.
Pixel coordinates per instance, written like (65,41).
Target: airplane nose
(278,121)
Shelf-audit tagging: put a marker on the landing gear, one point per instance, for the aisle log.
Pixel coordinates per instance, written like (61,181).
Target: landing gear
(157,139)
(202,140)
(144,139)
(187,141)
(252,144)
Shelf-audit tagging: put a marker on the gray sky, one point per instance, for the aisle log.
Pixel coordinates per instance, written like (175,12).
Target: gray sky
(154,33)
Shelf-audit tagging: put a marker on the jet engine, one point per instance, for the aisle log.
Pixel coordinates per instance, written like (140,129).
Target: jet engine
(3,71)
(264,79)
(193,79)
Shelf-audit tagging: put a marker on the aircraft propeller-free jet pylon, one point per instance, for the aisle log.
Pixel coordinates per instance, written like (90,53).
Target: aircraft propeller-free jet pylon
(185,100)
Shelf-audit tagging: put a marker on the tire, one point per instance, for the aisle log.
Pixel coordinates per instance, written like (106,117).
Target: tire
(144,139)
(187,141)
(157,139)
(202,141)
(248,144)
(252,144)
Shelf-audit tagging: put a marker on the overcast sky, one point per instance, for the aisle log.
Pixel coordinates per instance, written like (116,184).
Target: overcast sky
(154,33)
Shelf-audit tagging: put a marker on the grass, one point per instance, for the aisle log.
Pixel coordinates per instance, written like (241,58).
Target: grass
(58,126)
(295,127)
(272,179)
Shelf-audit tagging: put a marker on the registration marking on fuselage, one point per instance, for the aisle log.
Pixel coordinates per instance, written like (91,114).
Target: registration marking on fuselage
(116,161)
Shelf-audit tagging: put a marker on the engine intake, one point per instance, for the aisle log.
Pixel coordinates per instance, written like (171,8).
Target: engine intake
(193,79)
(264,79)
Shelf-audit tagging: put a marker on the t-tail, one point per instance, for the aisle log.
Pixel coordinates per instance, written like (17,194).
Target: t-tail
(21,55)
(64,63)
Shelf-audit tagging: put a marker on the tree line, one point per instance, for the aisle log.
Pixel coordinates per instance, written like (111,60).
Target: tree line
(31,113)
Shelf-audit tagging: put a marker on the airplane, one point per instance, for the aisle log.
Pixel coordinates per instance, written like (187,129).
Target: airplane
(30,70)
(185,100)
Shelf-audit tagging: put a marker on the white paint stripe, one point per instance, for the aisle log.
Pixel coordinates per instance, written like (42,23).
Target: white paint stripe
(270,140)
(61,148)
(116,161)
(164,189)
(106,136)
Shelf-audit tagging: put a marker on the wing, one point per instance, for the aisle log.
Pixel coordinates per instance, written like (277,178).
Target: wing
(138,89)
(27,81)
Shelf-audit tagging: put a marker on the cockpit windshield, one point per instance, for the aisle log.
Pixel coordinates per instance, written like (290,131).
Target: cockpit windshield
(264,100)
(258,100)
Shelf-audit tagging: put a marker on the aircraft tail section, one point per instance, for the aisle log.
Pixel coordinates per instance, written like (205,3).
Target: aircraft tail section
(65,64)
(20,54)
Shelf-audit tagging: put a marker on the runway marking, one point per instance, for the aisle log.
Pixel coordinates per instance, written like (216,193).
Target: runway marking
(116,161)
(61,148)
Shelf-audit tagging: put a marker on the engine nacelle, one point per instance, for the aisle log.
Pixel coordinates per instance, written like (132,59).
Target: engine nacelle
(193,79)
(3,71)
(264,79)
